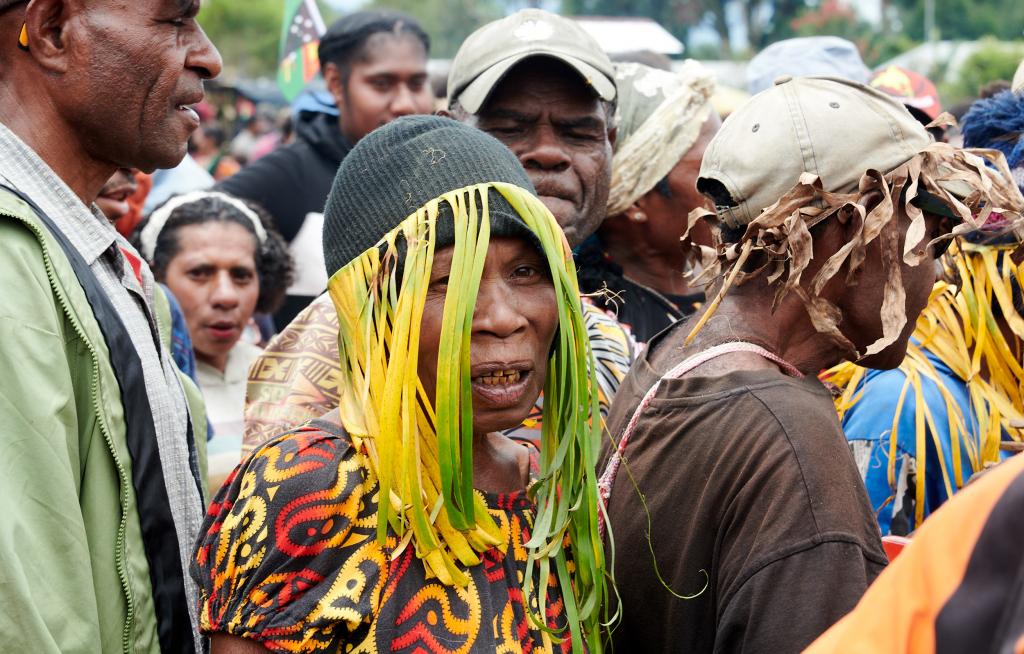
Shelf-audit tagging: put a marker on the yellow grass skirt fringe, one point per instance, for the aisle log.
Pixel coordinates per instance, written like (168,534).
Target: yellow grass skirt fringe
(958,327)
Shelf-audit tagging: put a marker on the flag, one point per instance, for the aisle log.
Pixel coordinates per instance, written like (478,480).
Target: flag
(300,37)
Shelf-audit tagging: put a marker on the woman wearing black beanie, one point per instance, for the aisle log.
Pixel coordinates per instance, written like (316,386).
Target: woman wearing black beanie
(405,520)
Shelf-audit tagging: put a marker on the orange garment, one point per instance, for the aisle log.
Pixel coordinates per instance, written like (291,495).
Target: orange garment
(956,585)
(126,224)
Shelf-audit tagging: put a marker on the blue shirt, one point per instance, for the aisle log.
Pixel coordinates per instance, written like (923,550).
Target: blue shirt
(868,424)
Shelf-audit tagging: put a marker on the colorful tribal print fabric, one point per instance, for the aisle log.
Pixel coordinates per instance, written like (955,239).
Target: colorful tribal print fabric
(288,558)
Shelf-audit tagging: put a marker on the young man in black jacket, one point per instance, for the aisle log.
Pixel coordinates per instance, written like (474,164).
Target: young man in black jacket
(375,66)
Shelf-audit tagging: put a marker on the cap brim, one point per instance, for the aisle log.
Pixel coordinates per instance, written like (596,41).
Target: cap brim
(925,201)
(473,97)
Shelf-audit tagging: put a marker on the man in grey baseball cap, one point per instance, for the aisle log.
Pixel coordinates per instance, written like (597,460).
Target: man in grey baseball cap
(737,489)
(543,86)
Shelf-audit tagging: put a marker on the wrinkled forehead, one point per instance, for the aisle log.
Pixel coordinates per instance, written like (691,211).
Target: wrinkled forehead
(153,8)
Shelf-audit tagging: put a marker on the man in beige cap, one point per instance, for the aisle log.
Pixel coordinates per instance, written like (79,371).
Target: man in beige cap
(740,521)
(543,86)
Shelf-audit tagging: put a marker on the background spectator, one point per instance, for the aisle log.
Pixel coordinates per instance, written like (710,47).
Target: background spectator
(222,260)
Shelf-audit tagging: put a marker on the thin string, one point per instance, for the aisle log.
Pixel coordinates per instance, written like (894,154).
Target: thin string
(604,484)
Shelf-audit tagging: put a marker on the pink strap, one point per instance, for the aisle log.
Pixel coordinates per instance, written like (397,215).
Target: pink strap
(604,484)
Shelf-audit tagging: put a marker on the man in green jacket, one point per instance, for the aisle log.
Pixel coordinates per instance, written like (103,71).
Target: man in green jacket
(100,437)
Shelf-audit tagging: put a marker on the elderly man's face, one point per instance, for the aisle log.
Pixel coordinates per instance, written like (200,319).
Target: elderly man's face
(136,67)
(545,113)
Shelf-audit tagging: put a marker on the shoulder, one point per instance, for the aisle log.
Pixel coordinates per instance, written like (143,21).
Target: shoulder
(796,419)
(885,396)
(269,168)
(20,246)
(312,456)
(297,376)
(783,439)
(814,462)
(612,342)
(273,180)
(307,475)
(879,398)
(292,528)
(27,295)
(883,389)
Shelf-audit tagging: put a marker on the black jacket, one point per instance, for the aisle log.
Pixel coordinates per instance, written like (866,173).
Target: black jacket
(644,310)
(292,182)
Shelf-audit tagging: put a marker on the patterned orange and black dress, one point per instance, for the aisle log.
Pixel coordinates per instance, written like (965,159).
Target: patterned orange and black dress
(288,557)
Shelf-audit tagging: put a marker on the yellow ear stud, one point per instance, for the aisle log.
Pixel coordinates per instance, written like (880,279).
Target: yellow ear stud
(23,38)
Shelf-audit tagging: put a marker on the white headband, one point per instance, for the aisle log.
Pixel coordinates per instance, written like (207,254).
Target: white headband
(151,232)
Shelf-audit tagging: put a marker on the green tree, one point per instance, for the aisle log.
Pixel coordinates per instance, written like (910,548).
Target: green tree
(247,33)
(834,18)
(964,19)
(994,60)
(448,22)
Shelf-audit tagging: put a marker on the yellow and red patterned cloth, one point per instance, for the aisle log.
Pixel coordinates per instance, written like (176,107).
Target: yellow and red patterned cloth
(289,558)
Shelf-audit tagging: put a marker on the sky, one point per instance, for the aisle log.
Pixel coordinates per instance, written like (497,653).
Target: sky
(344,5)
(869,10)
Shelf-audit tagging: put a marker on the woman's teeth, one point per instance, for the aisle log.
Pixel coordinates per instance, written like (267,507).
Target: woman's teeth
(499,378)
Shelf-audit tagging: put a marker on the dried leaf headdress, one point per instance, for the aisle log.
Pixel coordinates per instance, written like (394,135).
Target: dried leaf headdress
(971,184)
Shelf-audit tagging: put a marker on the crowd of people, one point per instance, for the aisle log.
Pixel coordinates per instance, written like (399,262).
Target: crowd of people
(575,363)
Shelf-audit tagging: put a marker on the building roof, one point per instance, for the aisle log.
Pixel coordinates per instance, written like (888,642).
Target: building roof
(621,34)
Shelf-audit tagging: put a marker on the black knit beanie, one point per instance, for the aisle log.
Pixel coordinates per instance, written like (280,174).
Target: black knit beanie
(398,168)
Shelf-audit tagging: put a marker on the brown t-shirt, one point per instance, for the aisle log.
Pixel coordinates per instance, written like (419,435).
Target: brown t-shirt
(748,478)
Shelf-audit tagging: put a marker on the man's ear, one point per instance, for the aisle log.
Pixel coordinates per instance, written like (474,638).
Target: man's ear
(335,83)
(613,134)
(50,35)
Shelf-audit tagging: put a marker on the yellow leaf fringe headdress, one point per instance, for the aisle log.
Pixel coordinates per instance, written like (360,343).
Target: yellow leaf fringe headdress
(422,453)
(970,184)
(959,328)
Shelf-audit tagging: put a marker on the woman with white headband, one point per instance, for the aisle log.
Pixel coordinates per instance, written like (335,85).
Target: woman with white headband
(223,261)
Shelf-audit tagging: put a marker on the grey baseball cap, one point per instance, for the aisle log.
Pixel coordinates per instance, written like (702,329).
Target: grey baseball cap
(805,56)
(489,53)
(832,127)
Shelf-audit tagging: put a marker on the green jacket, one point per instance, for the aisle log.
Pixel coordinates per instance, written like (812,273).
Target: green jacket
(73,572)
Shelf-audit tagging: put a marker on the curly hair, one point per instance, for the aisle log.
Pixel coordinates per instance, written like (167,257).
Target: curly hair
(274,266)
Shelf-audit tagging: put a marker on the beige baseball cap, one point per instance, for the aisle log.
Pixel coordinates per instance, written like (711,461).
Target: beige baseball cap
(832,127)
(490,52)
